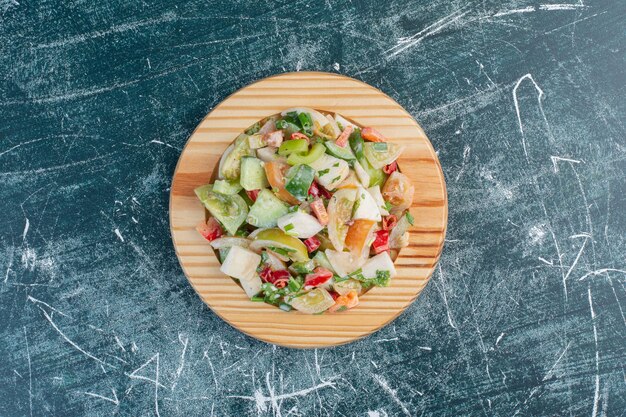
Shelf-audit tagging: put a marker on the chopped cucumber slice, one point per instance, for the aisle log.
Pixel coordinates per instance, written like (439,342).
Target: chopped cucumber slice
(228,187)
(253,174)
(344,153)
(230,210)
(299,180)
(266,210)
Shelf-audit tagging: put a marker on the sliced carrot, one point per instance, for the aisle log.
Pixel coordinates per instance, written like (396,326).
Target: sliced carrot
(373,135)
(345,302)
(342,140)
(317,206)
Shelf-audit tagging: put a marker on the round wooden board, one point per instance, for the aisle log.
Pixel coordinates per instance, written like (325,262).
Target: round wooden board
(332,93)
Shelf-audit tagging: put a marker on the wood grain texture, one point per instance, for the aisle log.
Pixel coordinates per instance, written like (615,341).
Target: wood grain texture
(366,106)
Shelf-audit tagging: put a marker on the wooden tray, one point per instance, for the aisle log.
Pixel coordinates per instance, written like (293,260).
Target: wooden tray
(365,105)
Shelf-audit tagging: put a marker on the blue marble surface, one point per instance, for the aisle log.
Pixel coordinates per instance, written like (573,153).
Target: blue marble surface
(524,102)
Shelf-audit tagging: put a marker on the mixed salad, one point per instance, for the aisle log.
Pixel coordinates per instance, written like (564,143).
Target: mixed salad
(308,211)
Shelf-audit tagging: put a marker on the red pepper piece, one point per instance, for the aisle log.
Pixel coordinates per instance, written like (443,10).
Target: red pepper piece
(373,135)
(210,230)
(342,140)
(388,169)
(298,135)
(312,243)
(318,277)
(253,194)
(381,243)
(389,222)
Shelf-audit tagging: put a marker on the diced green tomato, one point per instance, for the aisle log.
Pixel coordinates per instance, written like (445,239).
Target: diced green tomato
(344,287)
(356,144)
(293,146)
(228,187)
(279,239)
(230,210)
(339,152)
(306,158)
(339,215)
(266,209)
(256,141)
(377,176)
(380,154)
(252,174)
(232,164)
(320,259)
(298,181)
(325,242)
(313,302)
(306,122)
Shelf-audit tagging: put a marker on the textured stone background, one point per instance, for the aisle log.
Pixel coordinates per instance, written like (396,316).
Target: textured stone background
(524,102)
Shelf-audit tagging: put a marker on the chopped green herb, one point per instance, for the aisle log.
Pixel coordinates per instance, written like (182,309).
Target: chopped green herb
(294,285)
(303,268)
(323,172)
(380,146)
(264,258)
(292,209)
(337,278)
(388,205)
(289,227)
(257,299)
(336,164)
(242,233)
(410,218)
(306,122)
(382,278)
(335,179)
(253,129)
